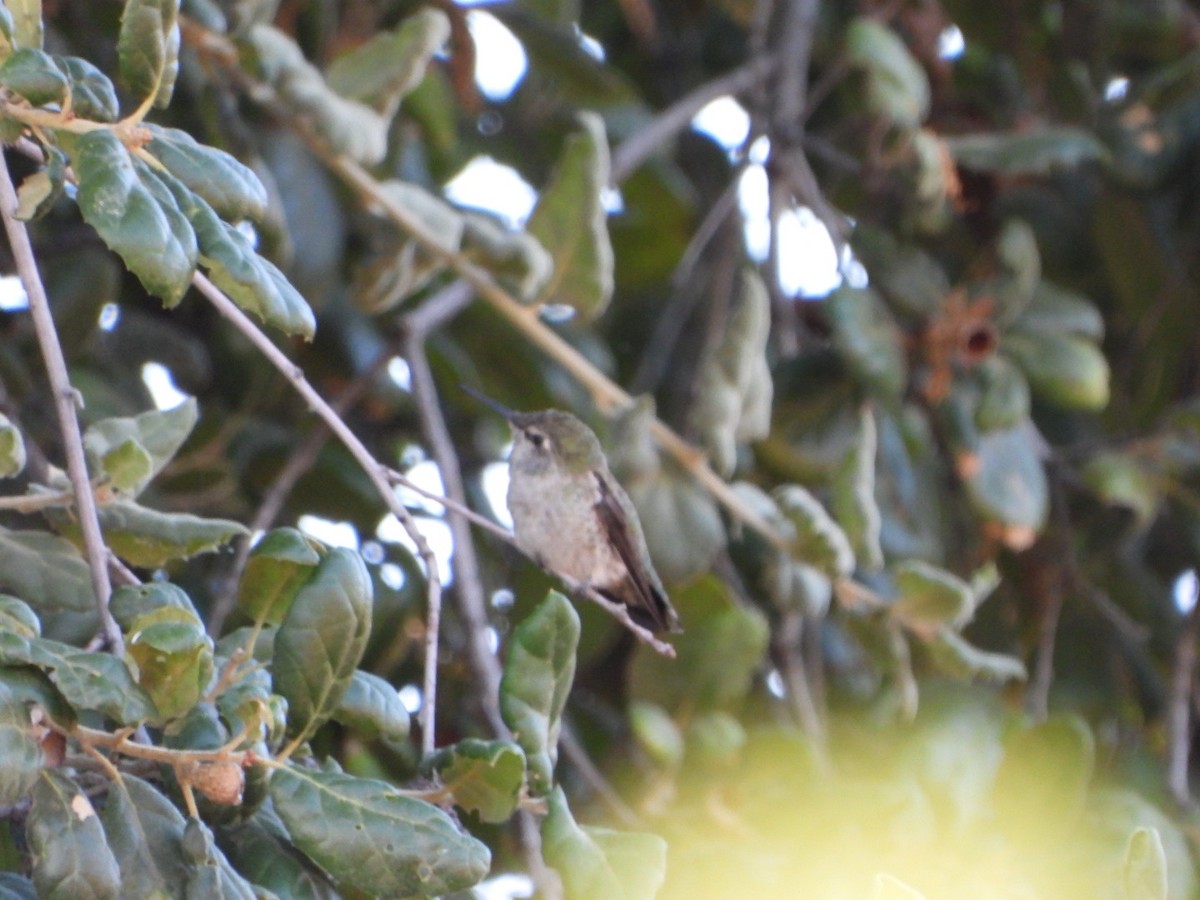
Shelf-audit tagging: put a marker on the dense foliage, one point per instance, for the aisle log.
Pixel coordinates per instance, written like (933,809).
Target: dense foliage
(926,505)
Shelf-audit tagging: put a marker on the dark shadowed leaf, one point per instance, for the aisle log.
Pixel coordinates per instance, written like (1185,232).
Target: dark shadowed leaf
(46,571)
(145,832)
(853,502)
(367,835)
(1027,153)
(262,851)
(897,87)
(868,339)
(210,876)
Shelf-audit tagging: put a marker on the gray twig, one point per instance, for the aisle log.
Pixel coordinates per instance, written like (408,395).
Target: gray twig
(66,401)
(1179,718)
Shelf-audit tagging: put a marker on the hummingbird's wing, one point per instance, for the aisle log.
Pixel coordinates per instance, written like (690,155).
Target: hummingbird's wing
(651,607)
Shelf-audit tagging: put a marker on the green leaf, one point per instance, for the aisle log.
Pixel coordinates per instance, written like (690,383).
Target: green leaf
(173,658)
(536,681)
(87,680)
(210,876)
(1144,875)
(484,777)
(130,602)
(657,734)
(598,863)
(71,858)
(20,738)
(17,617)
(1003,395)
(570,222)
(12,449)
(1120,479)
(321,640)
(92,94)
(16,887)
(131,451)
(718,655)
(278,566)
(152,237)
(145,832)
(853,501)
(34,75)
(734,388)
(367,835)
(372,707)
(148,49)
(1026,152)
(1009,485)
(1063,369)
(27,22)
(262,851)
(231,188)
(350,128)
(46,571)
(148,538)
(897,87)
(868,339)
(382,71)
(930,597)
(1059,311)
(954,656)
(818,540)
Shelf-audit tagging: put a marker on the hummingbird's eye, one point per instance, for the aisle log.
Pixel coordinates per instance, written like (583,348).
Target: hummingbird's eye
(536,438)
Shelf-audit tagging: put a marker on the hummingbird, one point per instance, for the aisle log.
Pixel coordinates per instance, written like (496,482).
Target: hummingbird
(571,515)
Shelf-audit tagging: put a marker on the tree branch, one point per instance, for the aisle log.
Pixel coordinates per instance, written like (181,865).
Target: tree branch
(66,400)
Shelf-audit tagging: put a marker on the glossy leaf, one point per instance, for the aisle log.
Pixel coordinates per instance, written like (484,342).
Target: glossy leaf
(1063,369)
(1144,875)
(131,451)
(367,835)
(278,566)
(97,681)
(148,49)
(537,678)
(484,777)
(45,571)
(71,858)
(229,187)
(92,94)
(152,237)
(372,707)
(381,71)
(321,640)
(261,850)
(12,449)
(34,75)
(145,832)
(210,875)
(868,339)
(570,222)
(601,863)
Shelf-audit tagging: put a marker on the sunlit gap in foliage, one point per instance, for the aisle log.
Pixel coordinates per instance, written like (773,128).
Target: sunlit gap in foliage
(494,187)
(775,684)
(161,384)
(399,372)
(248,231)
(1186,590)
(951,44)
(410,697)
(494,481)
(500,61)
(508,886)
(428,519)
(393,575)
(109,318)
(12,294)
(725,121)
(1116,88)
(329,532)
(590,45)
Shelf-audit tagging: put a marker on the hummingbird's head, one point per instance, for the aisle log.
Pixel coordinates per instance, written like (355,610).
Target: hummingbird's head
(552,440)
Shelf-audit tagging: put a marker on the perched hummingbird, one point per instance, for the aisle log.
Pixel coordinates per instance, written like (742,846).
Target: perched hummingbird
(570,514)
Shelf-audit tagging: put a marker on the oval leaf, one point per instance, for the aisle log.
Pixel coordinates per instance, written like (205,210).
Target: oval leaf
(71,857)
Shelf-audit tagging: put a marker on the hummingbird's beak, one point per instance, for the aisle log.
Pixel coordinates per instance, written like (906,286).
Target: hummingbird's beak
(489,402)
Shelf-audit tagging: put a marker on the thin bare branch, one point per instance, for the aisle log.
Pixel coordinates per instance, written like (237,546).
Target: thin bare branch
(66,401)
(1179,707)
